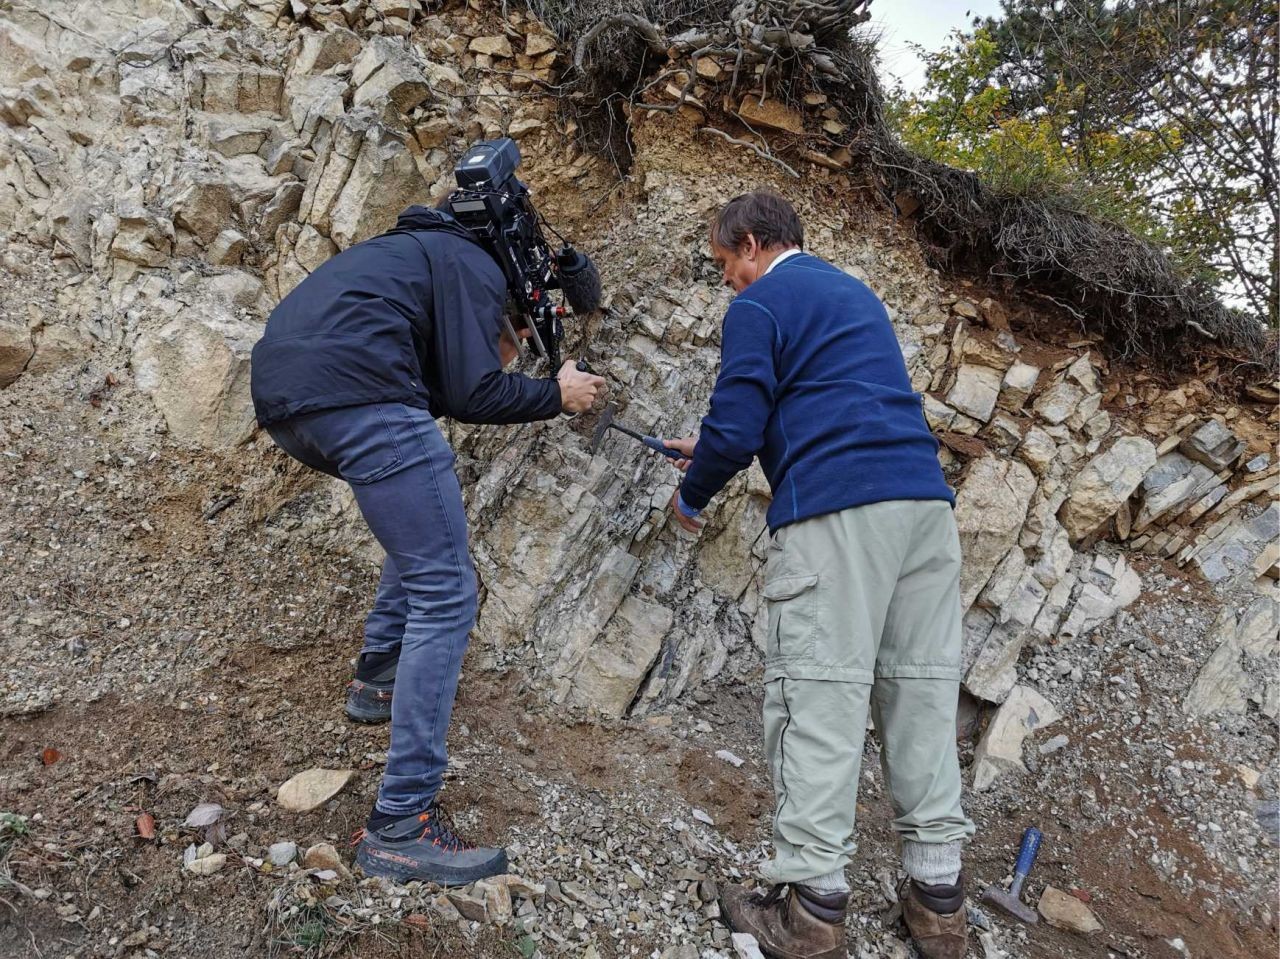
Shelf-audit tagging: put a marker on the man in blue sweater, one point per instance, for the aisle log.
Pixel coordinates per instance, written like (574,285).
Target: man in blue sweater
(861,583)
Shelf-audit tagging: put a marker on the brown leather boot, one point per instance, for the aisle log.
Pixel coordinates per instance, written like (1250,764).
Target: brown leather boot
(791,921)
(935,917)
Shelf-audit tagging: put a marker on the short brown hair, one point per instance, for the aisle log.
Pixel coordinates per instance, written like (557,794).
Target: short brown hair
(764,215)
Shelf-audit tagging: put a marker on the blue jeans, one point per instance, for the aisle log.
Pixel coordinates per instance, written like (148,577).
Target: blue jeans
(401,471)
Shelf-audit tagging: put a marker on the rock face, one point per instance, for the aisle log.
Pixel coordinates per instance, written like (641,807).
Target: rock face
(976,390)
(990,509)
(193,166)
(16,349)
(1243,664)
(617,663)
(196,369)
(1105,484)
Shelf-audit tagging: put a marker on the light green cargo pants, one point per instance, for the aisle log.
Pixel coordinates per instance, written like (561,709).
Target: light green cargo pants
(864,612)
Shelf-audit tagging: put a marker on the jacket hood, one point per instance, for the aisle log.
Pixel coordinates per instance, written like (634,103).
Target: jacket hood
(424,218)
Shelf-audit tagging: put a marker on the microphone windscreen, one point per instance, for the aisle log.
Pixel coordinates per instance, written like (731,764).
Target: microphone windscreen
(580,281)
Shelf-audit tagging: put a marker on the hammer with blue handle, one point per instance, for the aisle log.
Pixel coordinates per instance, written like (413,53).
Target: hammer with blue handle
(1011,902)
(606,423)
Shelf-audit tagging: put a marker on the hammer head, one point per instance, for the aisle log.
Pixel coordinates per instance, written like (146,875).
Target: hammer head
(602,427)
(1009,904)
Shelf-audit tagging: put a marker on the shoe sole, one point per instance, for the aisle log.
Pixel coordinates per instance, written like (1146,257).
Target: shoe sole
(366,717)
(389,863)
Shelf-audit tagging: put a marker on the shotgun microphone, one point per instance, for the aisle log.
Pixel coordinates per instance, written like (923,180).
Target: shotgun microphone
(579,280)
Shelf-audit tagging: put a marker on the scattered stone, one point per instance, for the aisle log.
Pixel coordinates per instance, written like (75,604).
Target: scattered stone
(205,814)
(1065,911)
(207,865)
(577,892)
(1248,775)
(745,946)
(469,905)
(282,853)
(322,856)
(1053,745)
(497,899)
(312,788)
(729,757)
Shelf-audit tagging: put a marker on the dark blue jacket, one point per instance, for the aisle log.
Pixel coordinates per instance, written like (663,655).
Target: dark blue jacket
(412,316)
(813,382)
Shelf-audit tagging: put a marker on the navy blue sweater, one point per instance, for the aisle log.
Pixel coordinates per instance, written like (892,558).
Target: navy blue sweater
(412,316)
(813,382)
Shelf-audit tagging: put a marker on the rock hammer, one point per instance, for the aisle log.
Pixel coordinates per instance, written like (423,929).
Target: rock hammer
(606,423)
(1011,902)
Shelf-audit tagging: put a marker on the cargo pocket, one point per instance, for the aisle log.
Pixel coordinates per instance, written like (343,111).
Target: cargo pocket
(792,617)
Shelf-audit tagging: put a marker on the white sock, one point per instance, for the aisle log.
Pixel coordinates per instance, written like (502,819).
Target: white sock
(831,882)
(932,863)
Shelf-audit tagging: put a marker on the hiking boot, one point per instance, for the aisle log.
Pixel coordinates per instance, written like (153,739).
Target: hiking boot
(424,846)
(790,921)
(369,692)
(935,917)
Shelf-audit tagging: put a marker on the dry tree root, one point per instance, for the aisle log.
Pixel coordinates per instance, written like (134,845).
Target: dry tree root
(1105,277)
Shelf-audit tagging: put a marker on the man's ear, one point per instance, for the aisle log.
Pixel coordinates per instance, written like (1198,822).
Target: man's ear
(749,249)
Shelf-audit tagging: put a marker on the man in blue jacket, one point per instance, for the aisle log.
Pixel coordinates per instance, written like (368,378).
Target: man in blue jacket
(355,365)
(861,583)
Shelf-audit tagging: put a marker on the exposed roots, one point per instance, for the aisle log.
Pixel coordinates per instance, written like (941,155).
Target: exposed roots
(1105,276)
(646,55)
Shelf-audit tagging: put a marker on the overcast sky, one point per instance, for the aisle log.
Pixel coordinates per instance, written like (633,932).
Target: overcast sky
(926,22)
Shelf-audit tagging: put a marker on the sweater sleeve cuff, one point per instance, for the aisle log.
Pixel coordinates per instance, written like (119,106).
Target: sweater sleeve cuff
(685,508)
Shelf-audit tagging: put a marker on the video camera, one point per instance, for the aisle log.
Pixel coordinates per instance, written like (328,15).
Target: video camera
(495,207)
